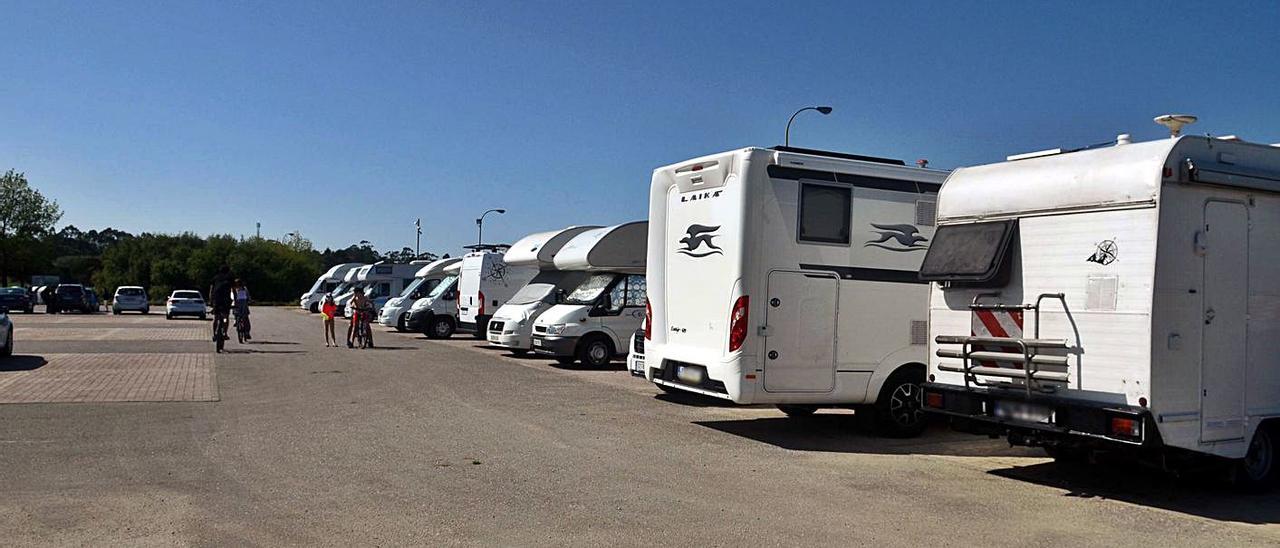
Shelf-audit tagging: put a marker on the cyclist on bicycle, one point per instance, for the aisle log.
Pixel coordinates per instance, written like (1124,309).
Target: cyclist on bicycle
(241,305)
(220,298)
(361,315)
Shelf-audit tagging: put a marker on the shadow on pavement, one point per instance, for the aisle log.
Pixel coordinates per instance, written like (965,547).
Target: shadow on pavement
(272,342)
(840,433)
(1205,494)
(252,351)
(22,363)
(693,399)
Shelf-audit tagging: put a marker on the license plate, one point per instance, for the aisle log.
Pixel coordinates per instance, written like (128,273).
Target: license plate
(691,374)
(537,342)
(1023,412)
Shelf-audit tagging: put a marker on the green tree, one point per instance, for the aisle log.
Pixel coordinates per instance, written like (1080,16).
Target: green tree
(25,215)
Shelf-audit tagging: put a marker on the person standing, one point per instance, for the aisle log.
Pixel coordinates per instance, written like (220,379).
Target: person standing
(329,309)
(241,306)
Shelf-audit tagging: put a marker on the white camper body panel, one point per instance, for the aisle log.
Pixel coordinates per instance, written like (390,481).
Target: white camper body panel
(393,313)
(512,325)
(382,281)
(828,321)
(484,285)
(618,248)
(324,284)
(1166,254)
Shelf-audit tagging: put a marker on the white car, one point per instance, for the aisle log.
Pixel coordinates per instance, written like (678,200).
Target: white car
(185,302)
(130,297)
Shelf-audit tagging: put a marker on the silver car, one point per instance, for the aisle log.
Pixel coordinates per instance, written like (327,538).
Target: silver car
(130,298)
(185,302)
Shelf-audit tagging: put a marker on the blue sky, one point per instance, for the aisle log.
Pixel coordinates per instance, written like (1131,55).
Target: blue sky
(348,120)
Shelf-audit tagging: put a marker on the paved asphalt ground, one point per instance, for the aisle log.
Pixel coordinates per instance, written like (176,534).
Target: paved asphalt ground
(446,442)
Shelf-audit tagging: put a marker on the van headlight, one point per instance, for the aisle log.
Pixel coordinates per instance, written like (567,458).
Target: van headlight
(556,328)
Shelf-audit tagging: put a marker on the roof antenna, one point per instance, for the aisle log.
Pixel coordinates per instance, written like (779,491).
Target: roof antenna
(1175,122)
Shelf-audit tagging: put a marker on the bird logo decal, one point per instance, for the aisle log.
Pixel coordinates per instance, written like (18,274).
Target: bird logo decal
(696,237)
(898,238)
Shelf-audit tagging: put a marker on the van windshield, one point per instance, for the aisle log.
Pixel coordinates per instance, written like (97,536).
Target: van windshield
(340,289)
(541,288)
(413,287)
(590,289)
(445,285)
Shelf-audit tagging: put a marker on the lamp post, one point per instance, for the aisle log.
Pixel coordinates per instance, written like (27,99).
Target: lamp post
(417,245)
(787,139)
(480,224)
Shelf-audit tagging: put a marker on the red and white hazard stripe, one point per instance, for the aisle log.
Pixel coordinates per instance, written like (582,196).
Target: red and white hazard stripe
(996,323)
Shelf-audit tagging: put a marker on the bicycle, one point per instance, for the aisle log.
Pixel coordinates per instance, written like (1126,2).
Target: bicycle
(363,336)
(242,328)
(219,330)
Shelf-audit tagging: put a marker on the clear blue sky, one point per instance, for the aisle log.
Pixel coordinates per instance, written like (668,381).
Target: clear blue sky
(348,120)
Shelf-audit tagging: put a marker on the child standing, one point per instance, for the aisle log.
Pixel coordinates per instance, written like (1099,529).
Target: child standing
(328,309)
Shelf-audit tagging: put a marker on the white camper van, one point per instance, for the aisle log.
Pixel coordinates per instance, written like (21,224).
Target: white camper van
(436,314)
(326,283)
(790,277)
(1117,297)
(343,293)
(382,281)
(512,325)
(593,321)
(396,311)
(485,284)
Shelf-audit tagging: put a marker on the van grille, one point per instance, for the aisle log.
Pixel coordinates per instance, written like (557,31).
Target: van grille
(638,345)
(539,329)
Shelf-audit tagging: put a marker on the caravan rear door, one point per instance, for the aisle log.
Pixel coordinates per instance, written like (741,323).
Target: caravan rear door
(801,323)
(1224,338)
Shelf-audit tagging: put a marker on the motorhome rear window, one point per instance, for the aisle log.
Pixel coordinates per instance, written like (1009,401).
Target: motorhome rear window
(968,252)
(824,213)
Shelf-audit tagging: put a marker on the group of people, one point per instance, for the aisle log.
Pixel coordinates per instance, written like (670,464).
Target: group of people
(228,294)
(361,316)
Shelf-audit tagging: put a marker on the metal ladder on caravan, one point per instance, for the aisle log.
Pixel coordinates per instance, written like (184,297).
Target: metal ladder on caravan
(1025,364)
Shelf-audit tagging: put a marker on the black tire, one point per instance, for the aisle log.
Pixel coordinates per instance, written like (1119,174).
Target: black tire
(595,351)
(400,323)
(314,308)
(440,327)
(798,411)
(1259,470)
(565,360)
(899,410)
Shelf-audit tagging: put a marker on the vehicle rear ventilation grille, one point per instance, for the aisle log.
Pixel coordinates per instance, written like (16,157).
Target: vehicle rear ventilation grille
(919,332)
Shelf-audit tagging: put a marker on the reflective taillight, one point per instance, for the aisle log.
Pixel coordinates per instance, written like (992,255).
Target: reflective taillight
(481,312)
(1126,427)
(738,323)
(648,320)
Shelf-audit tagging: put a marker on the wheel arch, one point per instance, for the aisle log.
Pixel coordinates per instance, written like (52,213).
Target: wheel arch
(882,375)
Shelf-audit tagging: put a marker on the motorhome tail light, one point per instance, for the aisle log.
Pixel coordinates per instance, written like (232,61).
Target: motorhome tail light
(1126,427)
(738,323)
(933,399)
(648,320)
(481,312)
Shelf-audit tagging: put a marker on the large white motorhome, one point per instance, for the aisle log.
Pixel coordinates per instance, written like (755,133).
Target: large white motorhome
(511,327)
(326,283)
(396,310)
(1111,298)
(436,314)
(593,322)
(485,284)
(790,277)
(381,281)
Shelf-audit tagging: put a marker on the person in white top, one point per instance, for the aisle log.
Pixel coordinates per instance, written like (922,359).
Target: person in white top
(240,298)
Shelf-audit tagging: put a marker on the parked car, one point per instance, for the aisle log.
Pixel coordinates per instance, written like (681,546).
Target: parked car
(16,298)
(91,295)
(6,333)
(185,302)
(71,297)
(130,297)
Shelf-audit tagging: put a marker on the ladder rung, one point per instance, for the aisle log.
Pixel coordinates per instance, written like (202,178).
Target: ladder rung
(1006,372)
(1009,357)
(1039,343)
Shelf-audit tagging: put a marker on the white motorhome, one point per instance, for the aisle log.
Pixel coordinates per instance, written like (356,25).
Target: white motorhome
(511,326)
(1111,298)
(326,283)
(345,290)
(395,312)
(381,281)
(485,284)
(790,277)
(593,322)
(436,314)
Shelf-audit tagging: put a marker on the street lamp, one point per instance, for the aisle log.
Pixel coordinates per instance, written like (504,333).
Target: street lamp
(824,110)
(480,224)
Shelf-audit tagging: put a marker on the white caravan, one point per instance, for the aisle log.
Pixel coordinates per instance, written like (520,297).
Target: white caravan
(326,283)
(396,311)
(380,281)
(485,284)
(1117,297)
(593,322)
(511,326)
(436,315)
(790,277)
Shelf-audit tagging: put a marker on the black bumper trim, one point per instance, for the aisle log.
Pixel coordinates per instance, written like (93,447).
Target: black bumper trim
(559,346)
(1071,417)
(418,321)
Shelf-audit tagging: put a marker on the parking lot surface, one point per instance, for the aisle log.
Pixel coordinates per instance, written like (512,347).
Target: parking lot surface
(449,442)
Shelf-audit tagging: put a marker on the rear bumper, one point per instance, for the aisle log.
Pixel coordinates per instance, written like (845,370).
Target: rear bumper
(130,306)
(554,345)
(981,411)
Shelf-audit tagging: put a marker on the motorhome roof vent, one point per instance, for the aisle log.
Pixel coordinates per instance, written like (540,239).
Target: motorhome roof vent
(1036,154)
(845,155)
(1124,139)
(1175,122)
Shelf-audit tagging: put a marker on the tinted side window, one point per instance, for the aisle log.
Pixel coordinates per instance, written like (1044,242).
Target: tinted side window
(824,213)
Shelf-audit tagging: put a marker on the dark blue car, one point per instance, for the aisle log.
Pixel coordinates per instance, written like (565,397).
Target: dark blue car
(16,299)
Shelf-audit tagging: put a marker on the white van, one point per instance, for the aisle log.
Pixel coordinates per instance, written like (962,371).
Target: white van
(790,277)
(512,325)
(381,281)
(436,315)
(326,283)
(345,290)
(396,310)
(593,322)
(1121,297)
(485,284)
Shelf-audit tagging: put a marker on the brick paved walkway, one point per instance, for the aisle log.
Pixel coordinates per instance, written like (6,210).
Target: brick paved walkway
(109,378)
(59,333)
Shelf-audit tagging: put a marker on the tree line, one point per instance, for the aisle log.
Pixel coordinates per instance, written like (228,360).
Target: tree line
(275,271)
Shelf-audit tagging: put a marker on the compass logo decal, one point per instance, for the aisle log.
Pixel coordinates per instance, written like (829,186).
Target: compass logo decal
(1105,253)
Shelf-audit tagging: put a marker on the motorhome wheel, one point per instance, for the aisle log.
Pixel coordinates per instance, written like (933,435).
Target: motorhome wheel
(798,411)
(400,323)
(315,308)
(1257,470)
(899,411)
(595,351)
(440,328)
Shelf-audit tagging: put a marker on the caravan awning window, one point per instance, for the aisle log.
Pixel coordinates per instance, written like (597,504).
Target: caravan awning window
(968,253)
